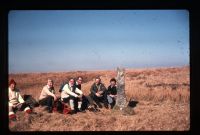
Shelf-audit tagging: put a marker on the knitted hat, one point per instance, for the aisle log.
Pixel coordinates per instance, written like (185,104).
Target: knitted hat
(12,81)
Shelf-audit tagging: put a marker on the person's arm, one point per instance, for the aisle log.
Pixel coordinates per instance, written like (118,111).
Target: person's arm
(53,91)
(9,94)
(108,91)
(92,89)
(46,90)
(115,91)
(68,91)
(78,91)
(20,99)
(103,88)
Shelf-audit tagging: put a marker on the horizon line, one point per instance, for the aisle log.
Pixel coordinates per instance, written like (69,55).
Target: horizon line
(94,70)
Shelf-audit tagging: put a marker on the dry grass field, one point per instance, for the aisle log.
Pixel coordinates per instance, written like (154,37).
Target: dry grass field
(163,95)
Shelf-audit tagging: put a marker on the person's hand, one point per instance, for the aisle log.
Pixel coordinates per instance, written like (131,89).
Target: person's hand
(14,106)
(111,95)
(100,92)
(55,98)
(97,94)
(80,96)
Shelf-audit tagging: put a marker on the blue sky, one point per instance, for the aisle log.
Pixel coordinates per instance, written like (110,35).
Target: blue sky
(70,40)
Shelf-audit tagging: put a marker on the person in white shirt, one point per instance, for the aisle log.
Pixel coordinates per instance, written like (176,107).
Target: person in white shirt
(70,93)
(16,102)
(47,96)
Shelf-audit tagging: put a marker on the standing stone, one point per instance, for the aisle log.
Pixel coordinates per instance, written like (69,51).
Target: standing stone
(121,97)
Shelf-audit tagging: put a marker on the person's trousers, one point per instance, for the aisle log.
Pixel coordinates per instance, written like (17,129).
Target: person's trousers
(111,101)
(21,107)
(102,99)
(73,102)
(48,101)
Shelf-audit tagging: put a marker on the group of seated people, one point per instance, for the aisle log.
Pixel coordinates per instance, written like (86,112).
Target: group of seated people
(71,94)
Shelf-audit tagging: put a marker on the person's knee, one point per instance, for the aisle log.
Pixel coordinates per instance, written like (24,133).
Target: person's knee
(72,98)
(23,106)
(65,100)
(50,98)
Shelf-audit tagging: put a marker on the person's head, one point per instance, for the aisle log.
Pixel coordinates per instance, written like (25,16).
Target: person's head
(79,80)
(71,81)
(12,84)
(113,82)
(97,80)
(50,83)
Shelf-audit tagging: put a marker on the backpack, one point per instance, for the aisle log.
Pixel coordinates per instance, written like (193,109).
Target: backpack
(132,103)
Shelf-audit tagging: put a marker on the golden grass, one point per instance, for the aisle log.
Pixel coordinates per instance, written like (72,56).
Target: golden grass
(163,95)
(142,84)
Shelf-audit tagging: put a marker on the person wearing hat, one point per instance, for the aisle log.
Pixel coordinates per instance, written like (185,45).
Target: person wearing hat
(47,96)
(16,102)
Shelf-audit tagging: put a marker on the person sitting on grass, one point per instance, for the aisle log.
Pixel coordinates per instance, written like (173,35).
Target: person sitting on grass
(99,93)
(112,93)
(79,82)
(71,93)
(16,102)
(47,96)
(87,102)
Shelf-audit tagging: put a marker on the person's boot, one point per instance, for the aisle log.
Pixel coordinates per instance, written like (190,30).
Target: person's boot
(90,108)
(106,106)
(12,117)
(99,105)
(72,112)
(29,111)
(50,109)
(81,110)
(111,106)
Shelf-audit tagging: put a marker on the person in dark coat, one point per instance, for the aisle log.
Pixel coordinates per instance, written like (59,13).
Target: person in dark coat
(112,93)
(99,93)
(78,84)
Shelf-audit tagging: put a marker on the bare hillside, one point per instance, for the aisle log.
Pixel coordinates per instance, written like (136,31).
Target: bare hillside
(163,95)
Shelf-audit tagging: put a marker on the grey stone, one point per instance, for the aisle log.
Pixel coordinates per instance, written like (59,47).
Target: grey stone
(121,97)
